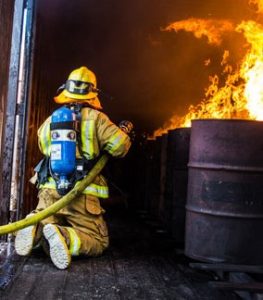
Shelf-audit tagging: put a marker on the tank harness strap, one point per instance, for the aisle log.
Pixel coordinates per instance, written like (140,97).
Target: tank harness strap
(63,125)
(42,170)
(83,166)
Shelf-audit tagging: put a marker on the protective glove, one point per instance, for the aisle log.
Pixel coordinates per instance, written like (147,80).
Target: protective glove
(126,126)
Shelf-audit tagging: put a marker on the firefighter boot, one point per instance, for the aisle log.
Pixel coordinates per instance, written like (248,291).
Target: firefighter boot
(58,249)
(24,241)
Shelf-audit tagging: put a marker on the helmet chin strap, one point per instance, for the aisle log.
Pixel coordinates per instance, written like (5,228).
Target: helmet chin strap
(60,89)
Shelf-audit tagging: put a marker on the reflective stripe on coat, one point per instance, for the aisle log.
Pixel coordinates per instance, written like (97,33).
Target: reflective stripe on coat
(97,133)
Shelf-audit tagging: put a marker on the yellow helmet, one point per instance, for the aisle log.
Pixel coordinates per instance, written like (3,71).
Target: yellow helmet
(81,86)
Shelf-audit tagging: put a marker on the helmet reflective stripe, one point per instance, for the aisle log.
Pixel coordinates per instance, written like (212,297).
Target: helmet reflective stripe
(87,138)
(75,242)
(115,142)
(79,87)
(45,141)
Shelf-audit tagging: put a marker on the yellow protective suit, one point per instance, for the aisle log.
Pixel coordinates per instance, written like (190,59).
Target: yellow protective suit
(82,222)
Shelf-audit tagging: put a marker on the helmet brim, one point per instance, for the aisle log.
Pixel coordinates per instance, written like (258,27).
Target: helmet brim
(66,97)
(90,95)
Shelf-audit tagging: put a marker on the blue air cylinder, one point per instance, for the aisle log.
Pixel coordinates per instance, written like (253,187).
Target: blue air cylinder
(63,147)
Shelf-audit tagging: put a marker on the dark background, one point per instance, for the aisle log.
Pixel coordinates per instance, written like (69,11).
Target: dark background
(150,73)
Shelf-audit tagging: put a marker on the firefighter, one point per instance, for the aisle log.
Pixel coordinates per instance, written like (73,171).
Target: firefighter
(78,228)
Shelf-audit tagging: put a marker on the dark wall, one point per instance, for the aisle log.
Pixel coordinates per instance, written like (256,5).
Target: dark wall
(150,73)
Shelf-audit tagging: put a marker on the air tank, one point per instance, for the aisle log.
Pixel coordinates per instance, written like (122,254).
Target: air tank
(63,147)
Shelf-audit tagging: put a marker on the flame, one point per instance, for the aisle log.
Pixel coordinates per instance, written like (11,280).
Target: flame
(258,4)
(238,94)
(207,62)
(252,68)
(211,29)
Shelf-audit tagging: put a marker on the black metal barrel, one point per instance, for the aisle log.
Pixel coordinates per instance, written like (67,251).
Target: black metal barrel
(176,181)
(155,177)
(148,184)
(163,167)
(224,221)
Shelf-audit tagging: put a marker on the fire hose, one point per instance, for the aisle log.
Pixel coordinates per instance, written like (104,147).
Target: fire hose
(65,200)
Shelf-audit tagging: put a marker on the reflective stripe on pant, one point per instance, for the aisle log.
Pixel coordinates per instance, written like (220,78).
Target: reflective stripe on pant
(84,215)
(74,241)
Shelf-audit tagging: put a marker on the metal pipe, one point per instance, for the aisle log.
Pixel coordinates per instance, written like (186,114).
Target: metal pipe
(14,194)
(16,152)
(10,114)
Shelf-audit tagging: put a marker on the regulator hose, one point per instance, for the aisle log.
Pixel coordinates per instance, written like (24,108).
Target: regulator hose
(65,200)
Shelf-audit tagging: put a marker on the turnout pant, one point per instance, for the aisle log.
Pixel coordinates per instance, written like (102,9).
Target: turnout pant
(81,222)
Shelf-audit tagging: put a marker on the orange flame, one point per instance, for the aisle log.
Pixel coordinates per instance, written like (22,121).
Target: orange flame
(241,94)
(212,29)
(252,68)
(207,62)
(258,4)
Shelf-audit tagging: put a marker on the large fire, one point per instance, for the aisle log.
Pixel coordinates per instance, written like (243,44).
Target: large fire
(258,4)
(240,96)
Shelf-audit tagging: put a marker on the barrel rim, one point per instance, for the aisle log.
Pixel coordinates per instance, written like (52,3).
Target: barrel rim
(179,128)
(223,167)
(191,209)
(227,120)
(176,131)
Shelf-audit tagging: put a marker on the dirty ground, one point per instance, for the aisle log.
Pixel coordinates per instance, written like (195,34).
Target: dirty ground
(142,263)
